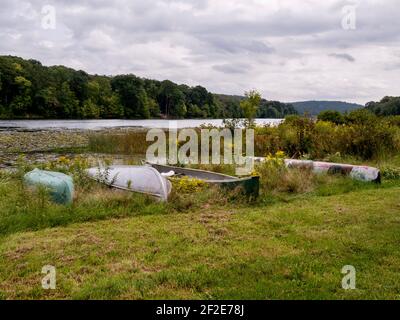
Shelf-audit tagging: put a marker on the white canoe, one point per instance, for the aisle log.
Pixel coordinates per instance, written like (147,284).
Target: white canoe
(142,179)
(361,173)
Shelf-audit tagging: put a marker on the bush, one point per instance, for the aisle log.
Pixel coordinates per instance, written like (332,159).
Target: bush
(393,121)
(331,116)
(360,116)
(297,135)
(275,177)
(367,141)
(390,173)
(363,136)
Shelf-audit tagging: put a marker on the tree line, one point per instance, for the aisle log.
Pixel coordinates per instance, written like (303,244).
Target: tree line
(30,90)
(388,106)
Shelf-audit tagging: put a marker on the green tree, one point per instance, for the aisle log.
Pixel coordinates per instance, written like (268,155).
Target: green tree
(21,103)
(193,111)
(154,108)
(46,103)
(250,106)
(331,116)
(360,116)
(171,100)
(90,110)
(113,107)
(79,85)
(69,104)
(388,106)
(132,95)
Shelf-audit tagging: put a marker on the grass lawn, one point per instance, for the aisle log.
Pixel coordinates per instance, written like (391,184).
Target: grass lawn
(292,249)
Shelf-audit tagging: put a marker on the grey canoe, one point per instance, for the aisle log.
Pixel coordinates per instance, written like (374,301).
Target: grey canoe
(249,185)
(141,179)
(361,173)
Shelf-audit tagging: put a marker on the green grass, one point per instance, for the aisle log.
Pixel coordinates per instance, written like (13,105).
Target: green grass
(286,246)
(22,210)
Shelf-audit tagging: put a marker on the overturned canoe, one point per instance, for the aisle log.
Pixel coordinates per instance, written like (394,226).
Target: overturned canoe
(59,185)
(141,179)
(361,173)
(250,185)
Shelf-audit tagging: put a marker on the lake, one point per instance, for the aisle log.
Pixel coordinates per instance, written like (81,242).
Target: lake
(105,124)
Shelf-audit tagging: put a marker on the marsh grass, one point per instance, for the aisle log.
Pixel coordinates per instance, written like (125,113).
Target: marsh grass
(133,142)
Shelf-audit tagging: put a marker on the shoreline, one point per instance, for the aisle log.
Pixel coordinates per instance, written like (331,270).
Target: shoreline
(17,141)
(116,124)
(41,146)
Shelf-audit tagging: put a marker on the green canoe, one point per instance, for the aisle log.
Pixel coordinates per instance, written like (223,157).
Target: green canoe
(60,186)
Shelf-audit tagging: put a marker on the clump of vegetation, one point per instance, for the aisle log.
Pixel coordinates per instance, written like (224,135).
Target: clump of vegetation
(331,116)
(277,178)
(187,185)
(361,135)
(386,107)
(131,142)
(250,106)
(390,172)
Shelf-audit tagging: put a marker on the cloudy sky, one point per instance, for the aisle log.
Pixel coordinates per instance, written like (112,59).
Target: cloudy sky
(290,50)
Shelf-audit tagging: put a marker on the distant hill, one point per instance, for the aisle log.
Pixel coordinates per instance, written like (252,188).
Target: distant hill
(315,107)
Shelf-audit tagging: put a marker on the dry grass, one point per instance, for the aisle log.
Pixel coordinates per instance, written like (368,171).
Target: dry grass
(297,181)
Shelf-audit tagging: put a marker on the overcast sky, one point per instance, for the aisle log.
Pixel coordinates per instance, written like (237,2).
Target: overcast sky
(290,50)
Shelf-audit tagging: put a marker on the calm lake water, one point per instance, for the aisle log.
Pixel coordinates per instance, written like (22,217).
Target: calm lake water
(104,124)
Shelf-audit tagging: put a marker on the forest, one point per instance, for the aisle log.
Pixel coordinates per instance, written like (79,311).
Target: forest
(388,106)
(29,90)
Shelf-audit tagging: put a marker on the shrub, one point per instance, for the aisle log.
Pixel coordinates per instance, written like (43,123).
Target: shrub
(331,116)
(362,136)
(324,140)
(187,185)
(360,116)
(275,177)
(366,141)
(390,173)
(393,121)
(297,135)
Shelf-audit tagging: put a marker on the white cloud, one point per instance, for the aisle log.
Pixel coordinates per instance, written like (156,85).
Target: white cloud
(288,49)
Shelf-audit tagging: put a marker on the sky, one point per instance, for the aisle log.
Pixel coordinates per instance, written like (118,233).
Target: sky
(289,50)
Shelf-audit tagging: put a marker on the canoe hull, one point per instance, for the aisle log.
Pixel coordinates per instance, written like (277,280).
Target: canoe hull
(361,173)
(140,179)
(250,185)
(59,185)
